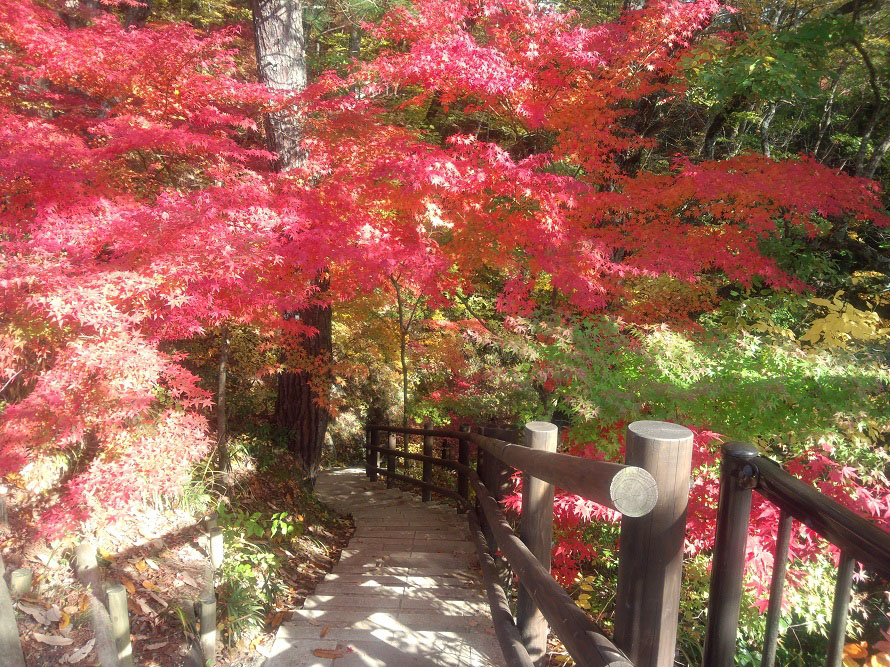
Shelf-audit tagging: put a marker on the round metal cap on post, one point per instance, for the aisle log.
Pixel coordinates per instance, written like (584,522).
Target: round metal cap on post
(650,560)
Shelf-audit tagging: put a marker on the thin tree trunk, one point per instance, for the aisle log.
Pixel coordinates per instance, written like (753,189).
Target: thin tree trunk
(405,324)
(877,156)
(222,434)
(355,42)
(403,343)
(765,144)
(709,145)
(827,113)
(137,14)
(866,137)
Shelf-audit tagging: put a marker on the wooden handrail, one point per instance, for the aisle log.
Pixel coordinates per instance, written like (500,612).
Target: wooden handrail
(579,634)
(627,489)
(630,489)
(505,629)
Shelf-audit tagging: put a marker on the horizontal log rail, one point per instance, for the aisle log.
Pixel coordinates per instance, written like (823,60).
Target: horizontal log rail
(584,641)
(861,539)
(505,629)
(426,485)
(627,489)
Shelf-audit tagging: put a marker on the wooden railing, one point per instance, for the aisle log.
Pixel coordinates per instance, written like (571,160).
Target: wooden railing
(652,493)
(744,471)
(651,496)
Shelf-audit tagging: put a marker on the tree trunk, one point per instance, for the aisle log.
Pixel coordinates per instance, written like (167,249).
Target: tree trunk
(765,143)
(137,14)
(281,63)
(355,42)
(297,409)
(876,115)
(223,461)
(827,113)
(877,156)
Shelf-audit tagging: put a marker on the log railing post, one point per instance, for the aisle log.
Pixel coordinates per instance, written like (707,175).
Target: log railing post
(391,462)
(650,560)
(368,451)
(737,479)
(463,457)
(11,654)
(373,454)
(120,623)
(206,612)
(536,531)
(427,474)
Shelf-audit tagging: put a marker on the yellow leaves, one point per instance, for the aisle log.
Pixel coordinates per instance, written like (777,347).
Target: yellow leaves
(140,565)
(878,660)
(844,324)
(586,587)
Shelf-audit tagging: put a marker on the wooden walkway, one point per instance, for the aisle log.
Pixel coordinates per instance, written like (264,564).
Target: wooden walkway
(406,590)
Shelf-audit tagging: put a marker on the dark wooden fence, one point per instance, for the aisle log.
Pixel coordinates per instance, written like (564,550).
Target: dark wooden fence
(651,492)
(651,496)
(744,471)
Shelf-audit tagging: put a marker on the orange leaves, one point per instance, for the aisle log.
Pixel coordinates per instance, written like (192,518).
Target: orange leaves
(857,655)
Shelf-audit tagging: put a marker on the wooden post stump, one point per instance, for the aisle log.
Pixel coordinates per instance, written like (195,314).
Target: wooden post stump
(216,548)
(463,457)
(11,654)
(120,623)
(650,561)
(20,582)
(206,612)
(374,456)
(536,532)
(427,470)
(391,462)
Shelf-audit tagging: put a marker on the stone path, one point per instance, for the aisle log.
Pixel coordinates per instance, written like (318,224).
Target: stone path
(406,591)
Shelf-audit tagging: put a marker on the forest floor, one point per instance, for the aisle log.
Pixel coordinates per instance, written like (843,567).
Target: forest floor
(279,543)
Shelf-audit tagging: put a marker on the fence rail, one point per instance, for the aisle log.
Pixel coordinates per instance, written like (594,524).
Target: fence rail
(744,471)
(651,492)
(542,603)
